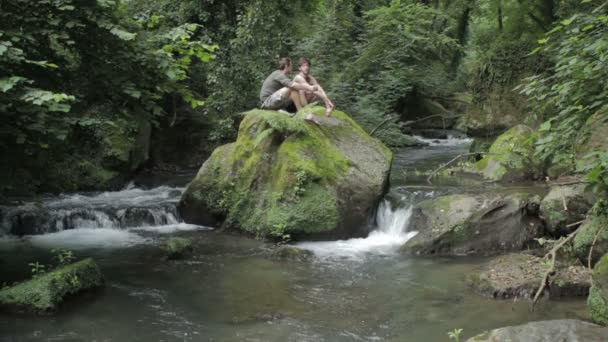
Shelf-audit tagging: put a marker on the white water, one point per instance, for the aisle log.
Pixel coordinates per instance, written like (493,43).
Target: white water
(450,141)
(386,239)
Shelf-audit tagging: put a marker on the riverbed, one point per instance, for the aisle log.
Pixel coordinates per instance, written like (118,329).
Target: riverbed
(231,289)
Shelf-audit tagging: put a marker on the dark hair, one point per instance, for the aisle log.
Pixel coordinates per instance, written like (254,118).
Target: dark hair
(304,60)
(284,63)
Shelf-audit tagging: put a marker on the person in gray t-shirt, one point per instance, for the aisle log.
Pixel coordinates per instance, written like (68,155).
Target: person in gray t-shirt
(278,91)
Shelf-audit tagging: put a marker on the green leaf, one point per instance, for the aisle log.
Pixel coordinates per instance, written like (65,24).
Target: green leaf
(122,34)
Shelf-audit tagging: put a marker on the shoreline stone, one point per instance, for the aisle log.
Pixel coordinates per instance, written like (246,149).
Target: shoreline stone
(545,331)
(46,292)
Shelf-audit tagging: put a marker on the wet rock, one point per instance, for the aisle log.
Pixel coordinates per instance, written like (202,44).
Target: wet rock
(45,292)
(564,205)
(290,253)
(288,176)
(598,296)
(569,330)
(178,248)
(511,157)
(482,224)
(519,275)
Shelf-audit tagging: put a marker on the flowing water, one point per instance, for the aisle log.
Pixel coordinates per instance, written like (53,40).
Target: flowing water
(232,290)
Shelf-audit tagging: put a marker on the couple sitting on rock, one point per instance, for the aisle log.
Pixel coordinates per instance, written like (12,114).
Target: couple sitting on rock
(278,91)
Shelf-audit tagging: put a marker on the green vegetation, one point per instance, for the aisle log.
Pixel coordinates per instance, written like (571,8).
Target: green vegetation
(45,291)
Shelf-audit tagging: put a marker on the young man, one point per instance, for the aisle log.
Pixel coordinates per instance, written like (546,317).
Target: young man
(304,77)
(278,91)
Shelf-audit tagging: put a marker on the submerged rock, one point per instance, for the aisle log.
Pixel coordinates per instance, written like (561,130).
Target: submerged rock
(512,157)
(564,205)
(290,253)
(570,330)
(598,295)
(178,248)
(289,176)
(519,275)
(47,291)
(483,224)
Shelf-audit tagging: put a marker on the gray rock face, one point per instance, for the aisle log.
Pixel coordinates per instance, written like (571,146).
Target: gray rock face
(563,330)
(564,205)
(519,275)
(481,224)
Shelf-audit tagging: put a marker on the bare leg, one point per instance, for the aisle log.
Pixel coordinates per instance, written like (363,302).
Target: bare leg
(294,95)
(303,98)
(329,106)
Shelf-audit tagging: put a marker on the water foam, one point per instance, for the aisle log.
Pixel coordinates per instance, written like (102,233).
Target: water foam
(390,235)
(450,141)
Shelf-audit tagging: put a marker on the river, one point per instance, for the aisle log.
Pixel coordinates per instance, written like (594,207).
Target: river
(232,290)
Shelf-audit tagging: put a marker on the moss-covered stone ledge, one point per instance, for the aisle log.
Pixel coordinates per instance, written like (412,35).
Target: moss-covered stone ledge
(598,295)
(45,292)
(474,224)
(510,157)
(288,176)
(519,275)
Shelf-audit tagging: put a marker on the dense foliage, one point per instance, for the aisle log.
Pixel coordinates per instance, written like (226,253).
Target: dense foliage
(92,90)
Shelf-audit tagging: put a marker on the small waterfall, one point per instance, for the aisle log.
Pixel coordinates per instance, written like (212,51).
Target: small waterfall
(386,239)
(129,208)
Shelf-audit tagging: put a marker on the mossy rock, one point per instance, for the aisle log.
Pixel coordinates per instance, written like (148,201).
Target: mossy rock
(511,157)
(289,176)
(544,331)
(587,233)
(178,247)
(592,136)
(45,292)
(518,276)
(557,217)
(598,296)
(481,224)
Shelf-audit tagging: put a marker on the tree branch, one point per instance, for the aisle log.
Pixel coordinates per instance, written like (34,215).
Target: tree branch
(553,253)
(381,124)
(442,166)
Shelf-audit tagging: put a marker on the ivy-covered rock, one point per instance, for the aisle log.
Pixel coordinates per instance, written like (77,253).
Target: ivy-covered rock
(474,224)
(289,176)
(519,275)
(544,331)
(598,295)
(564,205)
(47,291)
(178,247)
(511,157)
(586,235)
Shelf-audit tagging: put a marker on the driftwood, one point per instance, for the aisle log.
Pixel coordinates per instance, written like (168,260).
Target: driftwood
(442,166)
(553,254)
(411,122)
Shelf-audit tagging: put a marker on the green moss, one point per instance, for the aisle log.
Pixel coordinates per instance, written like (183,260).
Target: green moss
(584,238)
(281,174)
(45,292)
(598,306)
(511,155)
(178,247)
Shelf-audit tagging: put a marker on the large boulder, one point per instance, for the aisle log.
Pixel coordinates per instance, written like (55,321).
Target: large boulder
(511,157)
(519,275)
(289,176)
(598,295)
(567,330)
(564,205)
(474,224)
(593,232)
(45,292)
